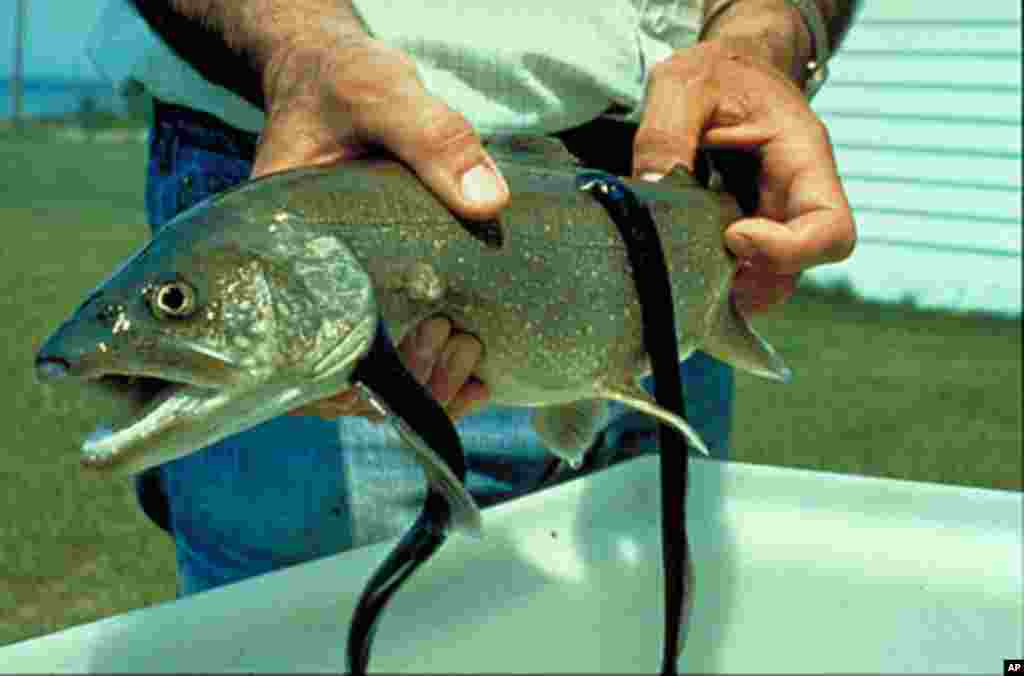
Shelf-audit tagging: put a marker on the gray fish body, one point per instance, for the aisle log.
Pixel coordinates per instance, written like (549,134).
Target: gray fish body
(263,298)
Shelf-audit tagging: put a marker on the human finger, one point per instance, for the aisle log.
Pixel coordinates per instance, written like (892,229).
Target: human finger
(438,143)
(299,138)
(469,399)
(816,238)
(756,289)
(675,111)
(422,347)
(460,356)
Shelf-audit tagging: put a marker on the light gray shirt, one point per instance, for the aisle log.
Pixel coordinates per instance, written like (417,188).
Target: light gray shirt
(527,66)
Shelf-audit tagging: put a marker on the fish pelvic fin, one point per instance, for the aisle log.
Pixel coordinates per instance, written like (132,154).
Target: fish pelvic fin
(732,340)
(636,397)
(569,430)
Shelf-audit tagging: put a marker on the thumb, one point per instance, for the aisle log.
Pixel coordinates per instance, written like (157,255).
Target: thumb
(447,154)
(295,140)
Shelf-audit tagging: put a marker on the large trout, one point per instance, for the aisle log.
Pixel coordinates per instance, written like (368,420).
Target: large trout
(266,297)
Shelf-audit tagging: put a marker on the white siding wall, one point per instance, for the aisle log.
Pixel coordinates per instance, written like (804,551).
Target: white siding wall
(924,108)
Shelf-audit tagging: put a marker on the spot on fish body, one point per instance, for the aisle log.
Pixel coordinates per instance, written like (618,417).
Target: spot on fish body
(324,247)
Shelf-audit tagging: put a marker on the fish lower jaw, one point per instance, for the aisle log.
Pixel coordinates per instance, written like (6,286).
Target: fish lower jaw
(110,445)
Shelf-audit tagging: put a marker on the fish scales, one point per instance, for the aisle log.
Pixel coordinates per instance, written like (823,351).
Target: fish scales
(555,301)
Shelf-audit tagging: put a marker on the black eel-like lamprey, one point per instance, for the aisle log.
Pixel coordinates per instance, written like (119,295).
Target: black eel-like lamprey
(382,372)
(651,277)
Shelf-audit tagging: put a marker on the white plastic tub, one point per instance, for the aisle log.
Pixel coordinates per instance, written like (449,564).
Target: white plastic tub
(796,572)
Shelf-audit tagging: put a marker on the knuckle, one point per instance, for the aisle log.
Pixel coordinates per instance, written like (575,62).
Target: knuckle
(659,148)
(367,79)
(846,245)
(818,131)
(656,134)
(662,70)
(680,65)
(738,106)
(468,346)
(444,132)
(842,247)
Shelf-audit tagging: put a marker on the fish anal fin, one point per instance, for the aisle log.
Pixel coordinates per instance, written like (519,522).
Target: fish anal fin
(568,430)
(637,398)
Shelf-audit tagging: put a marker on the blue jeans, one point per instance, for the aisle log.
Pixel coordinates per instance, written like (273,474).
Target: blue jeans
(298,488)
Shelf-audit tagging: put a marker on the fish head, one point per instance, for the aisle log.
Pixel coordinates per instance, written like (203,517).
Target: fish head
(232,314)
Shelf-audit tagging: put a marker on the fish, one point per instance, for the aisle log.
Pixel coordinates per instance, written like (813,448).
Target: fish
(266,297)
(262,298)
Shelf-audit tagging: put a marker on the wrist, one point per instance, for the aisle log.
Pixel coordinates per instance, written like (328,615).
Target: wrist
(268,33)
(770,31)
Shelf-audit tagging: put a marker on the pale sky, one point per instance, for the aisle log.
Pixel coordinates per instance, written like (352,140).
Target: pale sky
(56,37)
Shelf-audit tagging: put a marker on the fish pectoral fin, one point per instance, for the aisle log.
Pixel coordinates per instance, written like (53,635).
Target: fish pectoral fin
(466,516)
(569,430)
(636,397)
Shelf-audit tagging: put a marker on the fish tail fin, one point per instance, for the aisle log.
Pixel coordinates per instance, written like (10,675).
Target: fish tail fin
(636,397)
(735,342)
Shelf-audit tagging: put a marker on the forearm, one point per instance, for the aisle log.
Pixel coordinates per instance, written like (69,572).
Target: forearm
(234,43)
(775,30)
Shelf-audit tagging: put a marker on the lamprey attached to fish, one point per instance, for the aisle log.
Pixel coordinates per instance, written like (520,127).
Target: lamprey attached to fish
(267,297)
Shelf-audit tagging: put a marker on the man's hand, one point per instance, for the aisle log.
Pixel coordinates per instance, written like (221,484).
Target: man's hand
(722,93)
(337,101)
(328,104)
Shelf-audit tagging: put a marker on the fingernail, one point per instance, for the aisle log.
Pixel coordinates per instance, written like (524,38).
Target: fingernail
(651,176)
(460,358)
(430,336)
(481,185)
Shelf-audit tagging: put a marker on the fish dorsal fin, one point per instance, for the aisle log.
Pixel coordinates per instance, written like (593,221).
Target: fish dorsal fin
(637,398)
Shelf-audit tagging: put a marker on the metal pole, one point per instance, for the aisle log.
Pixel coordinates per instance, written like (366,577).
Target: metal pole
(18,68)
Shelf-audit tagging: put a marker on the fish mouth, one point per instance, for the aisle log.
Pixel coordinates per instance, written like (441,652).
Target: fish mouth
(146,407)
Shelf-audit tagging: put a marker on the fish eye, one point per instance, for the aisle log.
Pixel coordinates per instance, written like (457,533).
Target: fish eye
(175,299)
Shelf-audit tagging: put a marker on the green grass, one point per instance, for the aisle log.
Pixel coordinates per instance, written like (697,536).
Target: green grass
(887,390)
(73,547)
(878,390)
